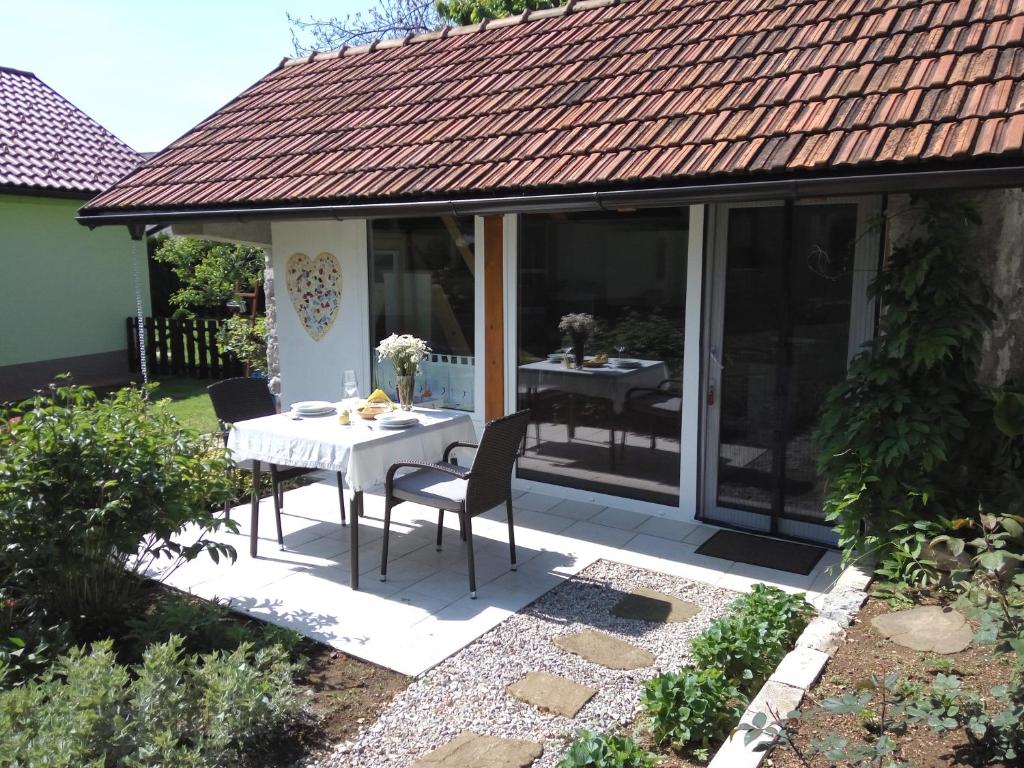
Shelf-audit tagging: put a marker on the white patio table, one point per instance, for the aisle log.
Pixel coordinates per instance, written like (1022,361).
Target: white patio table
(607,381)
(360,454)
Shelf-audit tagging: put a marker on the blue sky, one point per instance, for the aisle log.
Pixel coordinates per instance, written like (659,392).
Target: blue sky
(149,71)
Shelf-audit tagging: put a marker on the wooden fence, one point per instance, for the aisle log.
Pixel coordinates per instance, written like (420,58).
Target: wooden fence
(186,347)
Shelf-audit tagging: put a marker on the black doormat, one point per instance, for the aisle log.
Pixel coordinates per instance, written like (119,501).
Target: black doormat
(761,550)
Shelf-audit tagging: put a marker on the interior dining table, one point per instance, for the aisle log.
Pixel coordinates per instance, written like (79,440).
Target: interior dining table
(359,453)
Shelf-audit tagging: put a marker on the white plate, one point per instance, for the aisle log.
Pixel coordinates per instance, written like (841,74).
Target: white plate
(398,425)
(307,407)
(626,364)
(397,419)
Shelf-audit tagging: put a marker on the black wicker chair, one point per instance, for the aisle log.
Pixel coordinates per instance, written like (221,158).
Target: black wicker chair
(243,398)
(466,491)
(653,411)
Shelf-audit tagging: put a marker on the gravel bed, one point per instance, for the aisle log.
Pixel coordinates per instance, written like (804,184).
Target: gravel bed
(467,690)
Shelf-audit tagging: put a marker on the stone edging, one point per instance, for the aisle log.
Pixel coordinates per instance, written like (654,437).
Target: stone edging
(801,667)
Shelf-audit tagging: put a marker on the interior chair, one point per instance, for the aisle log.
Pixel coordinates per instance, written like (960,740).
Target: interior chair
(466,491)
(653,411)
(245,398)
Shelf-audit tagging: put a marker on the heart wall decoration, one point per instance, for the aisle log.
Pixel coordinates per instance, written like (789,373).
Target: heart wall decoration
(314,286)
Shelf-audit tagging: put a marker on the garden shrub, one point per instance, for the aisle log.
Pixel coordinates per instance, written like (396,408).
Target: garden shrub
(592,750)
(911,438)
(748,642)
(93,492)
(692,709)
(173,709)
(204,627)
(29,642)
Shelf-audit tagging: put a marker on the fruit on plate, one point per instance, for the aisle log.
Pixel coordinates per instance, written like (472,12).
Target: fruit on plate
(379,397)
(378,402)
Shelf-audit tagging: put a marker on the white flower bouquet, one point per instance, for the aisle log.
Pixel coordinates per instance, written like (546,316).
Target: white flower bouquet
(404,351)
(578,324)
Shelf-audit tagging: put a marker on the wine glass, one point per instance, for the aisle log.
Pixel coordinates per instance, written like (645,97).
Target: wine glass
(350,388)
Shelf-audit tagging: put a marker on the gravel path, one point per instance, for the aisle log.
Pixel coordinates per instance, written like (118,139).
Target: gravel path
(468,689)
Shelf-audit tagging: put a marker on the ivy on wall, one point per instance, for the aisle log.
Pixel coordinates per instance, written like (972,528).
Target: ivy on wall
(910,439)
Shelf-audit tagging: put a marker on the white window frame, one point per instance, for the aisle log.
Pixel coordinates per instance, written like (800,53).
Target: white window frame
(862,329)
(689,441)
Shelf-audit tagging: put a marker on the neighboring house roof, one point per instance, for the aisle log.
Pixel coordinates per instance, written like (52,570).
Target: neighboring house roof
(47,145)
(606,94)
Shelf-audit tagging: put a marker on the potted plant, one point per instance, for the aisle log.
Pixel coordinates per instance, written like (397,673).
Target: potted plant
(405,353)
(579,326)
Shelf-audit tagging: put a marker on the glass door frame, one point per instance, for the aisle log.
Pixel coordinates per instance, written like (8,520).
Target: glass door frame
(689,439)
(862,329)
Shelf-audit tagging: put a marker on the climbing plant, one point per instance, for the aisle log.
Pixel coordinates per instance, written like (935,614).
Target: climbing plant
(910,440)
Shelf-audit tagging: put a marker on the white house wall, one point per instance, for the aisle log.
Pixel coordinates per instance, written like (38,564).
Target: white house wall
(310,369)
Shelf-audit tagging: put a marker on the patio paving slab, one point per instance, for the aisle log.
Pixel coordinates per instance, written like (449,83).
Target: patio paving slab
(644,604)
(471,750)
(423,613)
(606,650)
(552,693)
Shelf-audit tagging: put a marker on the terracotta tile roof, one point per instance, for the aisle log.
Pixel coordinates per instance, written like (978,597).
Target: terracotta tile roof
(48,144)
(611,93)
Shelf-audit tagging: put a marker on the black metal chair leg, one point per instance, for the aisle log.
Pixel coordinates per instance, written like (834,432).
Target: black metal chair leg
(440,527)
(511,532)
(462,528)
(387,534)
(469,555)
(341,497)
(277,516)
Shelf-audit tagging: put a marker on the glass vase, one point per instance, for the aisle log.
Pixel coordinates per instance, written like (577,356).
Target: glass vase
(579,342)
(406,386)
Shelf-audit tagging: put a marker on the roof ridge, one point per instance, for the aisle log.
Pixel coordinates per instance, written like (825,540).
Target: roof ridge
(15,71)
(572,6)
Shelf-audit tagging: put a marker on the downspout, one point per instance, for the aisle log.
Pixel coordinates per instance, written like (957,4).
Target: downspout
(137,231)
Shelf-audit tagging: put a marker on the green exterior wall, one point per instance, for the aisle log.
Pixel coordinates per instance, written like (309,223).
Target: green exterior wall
(65,291)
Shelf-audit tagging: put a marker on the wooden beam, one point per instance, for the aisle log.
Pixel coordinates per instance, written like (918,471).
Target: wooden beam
(494,318)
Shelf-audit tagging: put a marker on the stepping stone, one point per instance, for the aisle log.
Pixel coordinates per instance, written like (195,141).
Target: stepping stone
(552,693)
(926,628)
(471,750)
(645,604)
(603,649)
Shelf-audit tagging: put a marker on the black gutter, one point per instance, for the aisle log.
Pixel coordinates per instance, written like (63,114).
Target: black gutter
(652,197)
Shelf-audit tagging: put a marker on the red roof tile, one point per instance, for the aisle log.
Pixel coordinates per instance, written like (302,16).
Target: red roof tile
(48,144)
(611,92)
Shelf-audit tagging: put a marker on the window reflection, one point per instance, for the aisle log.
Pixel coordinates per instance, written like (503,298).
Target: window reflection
(604,389)
(421,282)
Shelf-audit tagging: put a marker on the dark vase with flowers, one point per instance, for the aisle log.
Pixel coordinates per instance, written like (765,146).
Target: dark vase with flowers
(579,344)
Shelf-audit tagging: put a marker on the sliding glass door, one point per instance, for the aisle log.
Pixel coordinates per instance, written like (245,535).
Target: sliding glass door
(787,309)
(605,402)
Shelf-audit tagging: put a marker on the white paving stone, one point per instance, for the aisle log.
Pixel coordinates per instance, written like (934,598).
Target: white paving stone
(800,668)
(823,635)
(423,613)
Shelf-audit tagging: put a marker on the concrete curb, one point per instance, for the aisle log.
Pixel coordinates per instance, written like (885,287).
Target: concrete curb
(801,667)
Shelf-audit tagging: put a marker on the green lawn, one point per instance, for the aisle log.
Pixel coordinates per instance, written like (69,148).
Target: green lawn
(189,402)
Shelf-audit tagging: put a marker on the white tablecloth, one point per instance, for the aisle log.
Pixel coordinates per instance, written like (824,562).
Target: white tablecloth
(608,382)
(362,451)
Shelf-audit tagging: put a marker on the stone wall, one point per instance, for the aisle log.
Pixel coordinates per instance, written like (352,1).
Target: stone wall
(999,253)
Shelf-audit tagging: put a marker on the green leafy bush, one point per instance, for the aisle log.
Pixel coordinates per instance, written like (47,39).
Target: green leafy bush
(94,492)
(748,642)
(204,627)
(173,709)
(911,435)
(692,709)
(592,750)
(245,340)
(29,640)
